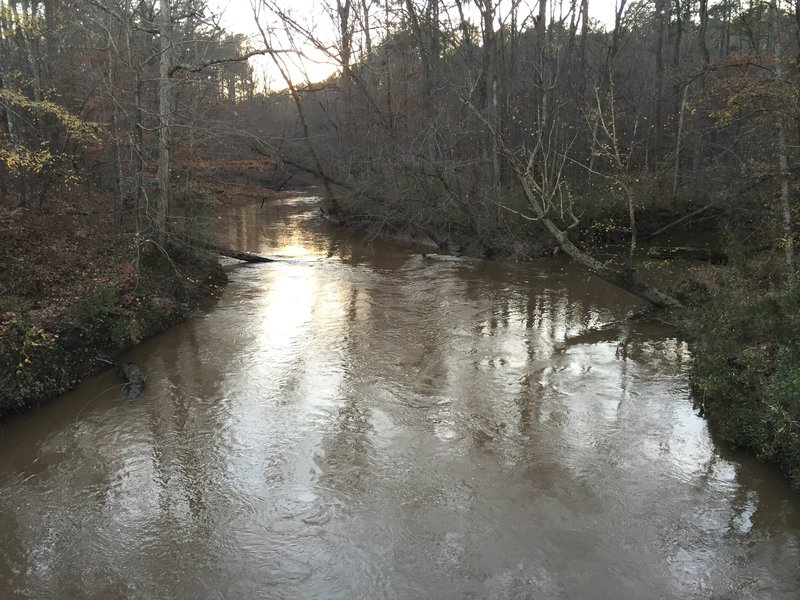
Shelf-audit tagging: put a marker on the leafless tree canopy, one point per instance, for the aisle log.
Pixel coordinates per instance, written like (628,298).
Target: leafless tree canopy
(505,127)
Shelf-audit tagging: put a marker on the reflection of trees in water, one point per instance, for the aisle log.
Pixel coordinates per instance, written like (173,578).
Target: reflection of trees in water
(344,462)
(520,344)
(530,350)
(333,247)
(184,427)
(187,425)
(56,503)
(646,346)
(528,401)
(249,227)
(236,228)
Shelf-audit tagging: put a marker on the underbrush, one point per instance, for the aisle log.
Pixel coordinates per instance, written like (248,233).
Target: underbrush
(746,377)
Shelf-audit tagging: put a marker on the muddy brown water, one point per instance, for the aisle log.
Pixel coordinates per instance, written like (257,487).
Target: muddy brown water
(359,422)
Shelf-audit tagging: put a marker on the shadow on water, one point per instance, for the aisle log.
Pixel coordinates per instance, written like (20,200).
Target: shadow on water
(358,422)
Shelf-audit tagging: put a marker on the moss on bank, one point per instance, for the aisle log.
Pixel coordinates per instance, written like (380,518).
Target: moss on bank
(46,349)
(746,376)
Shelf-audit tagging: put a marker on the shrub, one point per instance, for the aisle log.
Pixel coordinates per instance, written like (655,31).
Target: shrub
(747,374)
(104,318)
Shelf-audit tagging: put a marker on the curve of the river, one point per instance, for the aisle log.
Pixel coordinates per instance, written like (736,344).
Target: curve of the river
(358,421)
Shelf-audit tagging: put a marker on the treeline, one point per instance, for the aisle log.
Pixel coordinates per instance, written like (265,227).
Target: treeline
(474,123)
(442,114)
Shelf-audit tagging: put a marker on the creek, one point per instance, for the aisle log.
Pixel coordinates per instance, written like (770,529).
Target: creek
(359,421)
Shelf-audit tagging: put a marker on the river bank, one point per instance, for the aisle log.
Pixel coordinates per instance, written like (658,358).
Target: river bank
(73,302)
(746,372)
(77,288)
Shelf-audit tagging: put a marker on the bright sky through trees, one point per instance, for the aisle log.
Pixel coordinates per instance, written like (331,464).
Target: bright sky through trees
(237,16)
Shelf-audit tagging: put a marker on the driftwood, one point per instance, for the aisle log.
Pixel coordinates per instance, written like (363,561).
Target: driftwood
(135,378)
(688,253)
(243,256)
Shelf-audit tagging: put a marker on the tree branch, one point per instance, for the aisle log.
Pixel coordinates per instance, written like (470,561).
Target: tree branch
(219,61)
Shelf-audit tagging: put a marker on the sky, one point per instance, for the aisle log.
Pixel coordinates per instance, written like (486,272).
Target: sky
(237,17)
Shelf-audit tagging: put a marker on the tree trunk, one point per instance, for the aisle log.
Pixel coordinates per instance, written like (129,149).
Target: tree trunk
(307,137)
(702,32)
(50,24)
(659,95)
(164,120)
(115,130)
(681,113)
(680,220)
(783,152)
(429,51)
(365,25)
(797,25)
(138,149)
(490,68)
(584,38)
(541,21)
(676,54)
(28,45)
(725,34)
(243,256)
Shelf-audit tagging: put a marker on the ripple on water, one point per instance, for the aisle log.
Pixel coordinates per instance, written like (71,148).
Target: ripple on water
(287,515)
(290,537)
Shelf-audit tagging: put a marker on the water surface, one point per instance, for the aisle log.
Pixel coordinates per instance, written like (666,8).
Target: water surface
(358,421)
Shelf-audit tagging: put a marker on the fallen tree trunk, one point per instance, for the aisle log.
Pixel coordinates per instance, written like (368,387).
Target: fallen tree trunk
(688,253)
(243,256)
(622,279)
(131,373)
(677,222)
(537,197)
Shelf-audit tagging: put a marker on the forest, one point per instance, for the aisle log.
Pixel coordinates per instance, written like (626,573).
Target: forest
(507,130)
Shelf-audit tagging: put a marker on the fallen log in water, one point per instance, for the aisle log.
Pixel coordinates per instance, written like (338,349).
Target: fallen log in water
(448,258)
(244,256)
(135,378)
